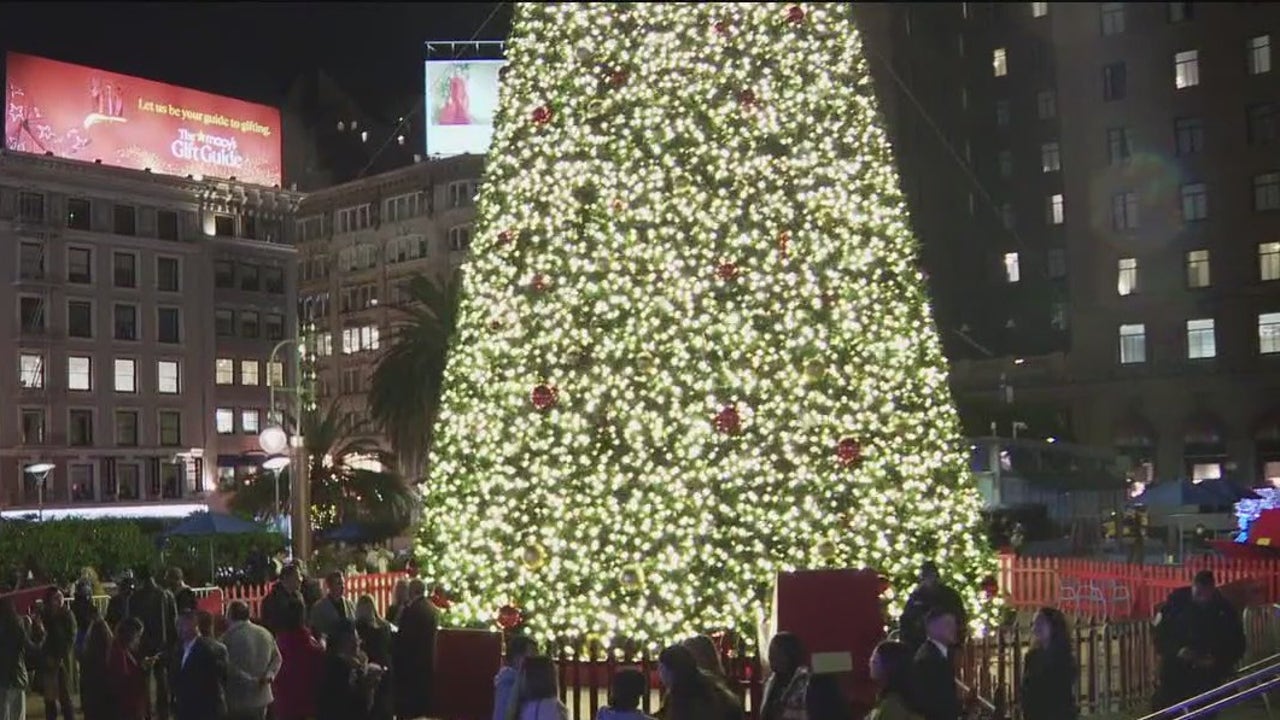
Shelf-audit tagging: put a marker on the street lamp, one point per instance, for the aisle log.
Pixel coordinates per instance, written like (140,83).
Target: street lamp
(276,465)
(40,471)
(275,440)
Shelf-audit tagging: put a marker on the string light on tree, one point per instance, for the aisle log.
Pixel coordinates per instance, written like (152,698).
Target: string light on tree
(747,377)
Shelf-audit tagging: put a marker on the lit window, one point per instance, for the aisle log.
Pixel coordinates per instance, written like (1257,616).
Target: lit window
(225,371)
(1205,471)
(79,373)
(1050,157)
(1039,9)
(1127,276)
(1046,104)
(1055,210)
(168,377)
(1201,343)
(1266,191)
(999,62)
(1195,202)
(1186,69)
(1112,18)
(126,375)
(225,419)
(1011,271)
(249,372)
(275,374)
(249,421)
(1259,54)
(1198,269)
(1124,211)
(31,371)
(1269,261)
(1133,344)
(1269,333)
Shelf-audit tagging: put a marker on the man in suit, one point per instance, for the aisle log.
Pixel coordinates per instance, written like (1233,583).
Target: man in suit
(1199,638)
(931,593)
(154,606)
(413,654)
(199,674)
(333,608)
(933,674)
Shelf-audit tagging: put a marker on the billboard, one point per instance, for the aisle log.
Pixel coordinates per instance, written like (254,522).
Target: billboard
(462,98)
(87,114)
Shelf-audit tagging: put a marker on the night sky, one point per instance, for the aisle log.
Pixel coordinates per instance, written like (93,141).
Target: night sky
(252,50)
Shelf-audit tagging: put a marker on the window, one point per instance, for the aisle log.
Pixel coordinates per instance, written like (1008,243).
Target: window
(31,261)
(999,62)
(1262,123)
(403,207)
(1186,69)
(353,218)
(1269,261)
(275,374)
(275,327)
(249,327)
(1195,202)
(1114,82)
(249,421)
(1119,145)
(249,278)
(30,371)
(1047,104)
(80,373)
(171,474)
(1007,217)
(1112,18)
(1179,12)
(126,378)
(249,372)
(1057,261)
(125,220)
(224,274)
(224,371)
(168,377)
(273,280)
(1201,343)
(1133,344)
(1198,269)
(1266,191)
(1050,157)
(79,319)
(79,265)
(409,247)
(224,226)
(32,426)
(82,486)
(1269,333)
(125,319)
(224,323)
(350,382)
(1259,54)
(1127,276)
(1002,113)
(461,193)
(79,214)
(80,428)
(359,339)
(225,420)
(1004,159)
(1124,211)
(459,238)
(1055,212)
(169,325)
(166,224)
(1012,273)
(31,207)
(125,270)
(324,345)
(31,314)
(1039,9)
(249,227)
(168,274)
(1189,135)
(170,428)
(310,228)
(126,428)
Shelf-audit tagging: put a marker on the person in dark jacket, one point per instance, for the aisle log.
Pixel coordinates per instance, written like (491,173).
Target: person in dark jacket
(1049,670)
(1199,638)
(96,699)
(284,601)
(199,674)
(84,611)
(413,654)
(155,608)
(933,674)
(57,644)
(375,640)
(347,680)
(930,594)
(15,643)
(184,598)
(120,606)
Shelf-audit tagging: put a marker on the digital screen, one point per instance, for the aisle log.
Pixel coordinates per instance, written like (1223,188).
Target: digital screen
(462,99)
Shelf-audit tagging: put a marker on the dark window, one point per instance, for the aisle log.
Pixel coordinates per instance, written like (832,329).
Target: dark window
(170,428)
(249,324)
(79,265)
(32,427)
(224,226)
(126,322)
(168,325)
(1264,123)
(249,278)
(126,428)
(1119,145)
(273,280)
(1179,12)
(249,227)
(166,224)
(275,327)
(1114,81)
(31,261)
(32,311)
(125,220)
(1189,134)
(78,214)
(167,274)
(224,274)
(81,431)
(125,270)
(224,323)
(31,207)
(79,319)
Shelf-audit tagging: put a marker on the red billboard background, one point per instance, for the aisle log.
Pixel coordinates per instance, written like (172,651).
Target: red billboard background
(87,114)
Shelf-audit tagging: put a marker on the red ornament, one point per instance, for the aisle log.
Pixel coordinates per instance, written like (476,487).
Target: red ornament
(990,587)
(618,78)
(544,396)
(795,14)
(540,282)
(542,115)
(506,237)
(849,452)
(727,271)
(784,244)
(728,421)
(747,98)
(722,28)
(509,617)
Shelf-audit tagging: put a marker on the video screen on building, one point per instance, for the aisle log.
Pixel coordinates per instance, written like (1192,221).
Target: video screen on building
(462,99)
(83,113)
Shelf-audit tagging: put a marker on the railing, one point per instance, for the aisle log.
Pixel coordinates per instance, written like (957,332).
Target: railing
(380,585)
(1230,693)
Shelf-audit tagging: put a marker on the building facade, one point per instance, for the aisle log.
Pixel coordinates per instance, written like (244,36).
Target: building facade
(358,243)
(141,311)
(1097,190)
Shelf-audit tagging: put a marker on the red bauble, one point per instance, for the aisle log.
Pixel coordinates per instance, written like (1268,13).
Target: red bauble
(784,244)
(722,28)
(542,115)
(990,587)
(727,271)
(795,14)
(849,452)
(618,78)
(539,282)
(544,396)
(728,421)
(506,237)
(509,617)
(747,98)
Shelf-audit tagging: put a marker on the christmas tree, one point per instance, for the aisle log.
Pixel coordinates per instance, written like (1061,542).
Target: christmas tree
(694,348)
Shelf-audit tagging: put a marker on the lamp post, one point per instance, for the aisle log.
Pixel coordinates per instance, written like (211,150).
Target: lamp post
(40,471)
(275,440)
(276,465)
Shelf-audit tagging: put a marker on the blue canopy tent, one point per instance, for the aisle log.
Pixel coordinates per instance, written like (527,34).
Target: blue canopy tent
(210,525)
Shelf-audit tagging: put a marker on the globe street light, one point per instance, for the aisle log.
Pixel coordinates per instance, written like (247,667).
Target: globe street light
(276,465)
(40,471)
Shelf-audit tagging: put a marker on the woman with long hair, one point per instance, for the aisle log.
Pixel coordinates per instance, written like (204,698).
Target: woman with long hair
(540,691)
(127,673)
(96,699)
(375,639)
(301,659)
(707,656)
(891,671)
(690,694)
(1049,671)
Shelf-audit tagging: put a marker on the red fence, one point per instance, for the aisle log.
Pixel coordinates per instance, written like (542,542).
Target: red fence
(381,586)
(1123,590)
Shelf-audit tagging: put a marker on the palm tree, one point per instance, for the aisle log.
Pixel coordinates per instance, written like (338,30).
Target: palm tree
(404,395)
(345,486)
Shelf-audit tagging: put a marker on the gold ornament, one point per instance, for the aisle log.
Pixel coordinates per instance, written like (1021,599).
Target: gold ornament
(814,369)
(826,549)
(631,578)
(534,557)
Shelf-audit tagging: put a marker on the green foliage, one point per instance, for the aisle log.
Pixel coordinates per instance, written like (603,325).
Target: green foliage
(192,554)
(61,549)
